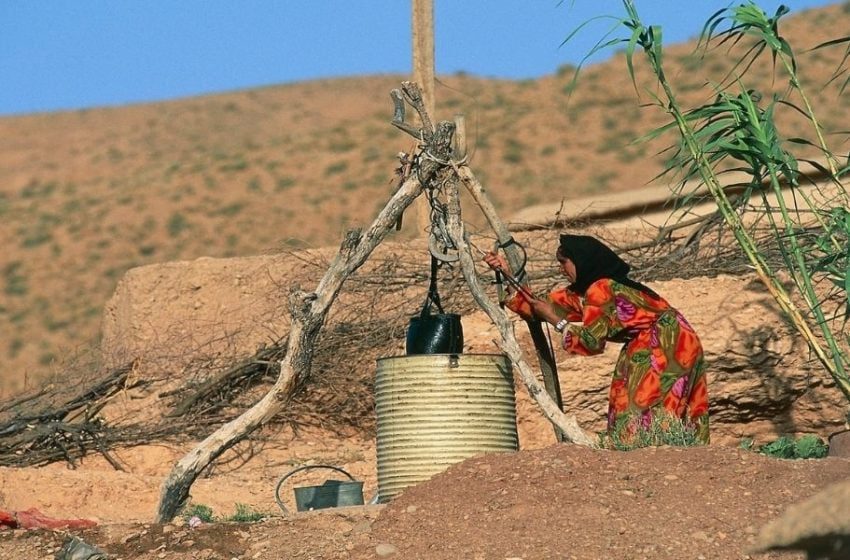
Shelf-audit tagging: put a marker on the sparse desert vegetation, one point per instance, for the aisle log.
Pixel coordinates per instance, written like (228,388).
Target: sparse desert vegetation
(86,195)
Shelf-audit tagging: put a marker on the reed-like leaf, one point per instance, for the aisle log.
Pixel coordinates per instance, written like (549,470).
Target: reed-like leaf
(840,70)
(740,128)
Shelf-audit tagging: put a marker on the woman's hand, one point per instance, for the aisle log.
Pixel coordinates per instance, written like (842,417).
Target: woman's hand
(544,311)
(496,261)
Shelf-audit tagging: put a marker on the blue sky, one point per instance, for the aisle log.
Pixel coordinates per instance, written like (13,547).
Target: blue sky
(71,54)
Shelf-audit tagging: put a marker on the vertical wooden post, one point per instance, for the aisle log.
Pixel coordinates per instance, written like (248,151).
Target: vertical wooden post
(545,355)
(423,75)
(459,140)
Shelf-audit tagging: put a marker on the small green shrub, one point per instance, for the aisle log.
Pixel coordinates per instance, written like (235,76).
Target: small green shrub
(599,182)
(237,163)
(38,190)
(513,151)
(663,430)
(229,210)
(782,448)
(115,155)
(16,282)
(246,514)
(177,223)
(566,70)
(172,168)
(255,184)
(15,347)
(343,144)
(202,512)
(806,447)
(46,358)
(811,447)
(39,234)
(335,168)
(284,183)
(372,154)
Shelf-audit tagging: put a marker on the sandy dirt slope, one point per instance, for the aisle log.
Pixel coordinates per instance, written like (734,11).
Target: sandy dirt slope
(557,502)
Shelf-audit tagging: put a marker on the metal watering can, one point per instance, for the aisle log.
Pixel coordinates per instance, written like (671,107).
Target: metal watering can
(332,493)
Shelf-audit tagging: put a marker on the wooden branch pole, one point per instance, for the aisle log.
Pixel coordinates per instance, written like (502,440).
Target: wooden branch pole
(459,144)
(545,357)
(422,35)
(566,425)
(411,93)
(308,311)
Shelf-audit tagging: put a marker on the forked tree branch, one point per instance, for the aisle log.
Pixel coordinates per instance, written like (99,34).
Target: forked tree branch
(308,311)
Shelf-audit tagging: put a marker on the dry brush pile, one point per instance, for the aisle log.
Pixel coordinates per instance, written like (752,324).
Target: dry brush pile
(62,420)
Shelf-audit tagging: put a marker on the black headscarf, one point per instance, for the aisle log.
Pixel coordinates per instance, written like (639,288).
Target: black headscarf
(594,260)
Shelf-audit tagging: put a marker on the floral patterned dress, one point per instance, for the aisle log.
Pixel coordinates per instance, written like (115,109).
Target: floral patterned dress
(660,372)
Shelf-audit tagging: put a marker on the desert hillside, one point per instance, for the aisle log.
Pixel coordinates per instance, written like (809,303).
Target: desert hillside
(87,195)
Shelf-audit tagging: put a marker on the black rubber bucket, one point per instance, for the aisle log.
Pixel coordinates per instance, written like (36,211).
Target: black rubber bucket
(332,493)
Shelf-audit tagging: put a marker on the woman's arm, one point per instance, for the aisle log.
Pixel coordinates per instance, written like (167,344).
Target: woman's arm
(589,337)
(598,315)
(562,303)
(517,301)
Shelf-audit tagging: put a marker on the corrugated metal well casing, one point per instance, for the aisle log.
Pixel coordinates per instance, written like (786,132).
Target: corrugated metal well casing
(434,410)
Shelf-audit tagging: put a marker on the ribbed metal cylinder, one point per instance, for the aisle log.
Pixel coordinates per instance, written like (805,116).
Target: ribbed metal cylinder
(434,410)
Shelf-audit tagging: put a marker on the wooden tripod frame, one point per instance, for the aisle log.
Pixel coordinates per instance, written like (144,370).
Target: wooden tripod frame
(309,309)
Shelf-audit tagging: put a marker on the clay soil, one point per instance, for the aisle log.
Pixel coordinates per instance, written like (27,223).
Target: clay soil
(185,200)
(545,501)
(559,501)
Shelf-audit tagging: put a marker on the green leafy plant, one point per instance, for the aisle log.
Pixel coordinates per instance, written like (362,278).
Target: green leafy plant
(662,430)
(177,224)
(246,514)
(202,512)
(243,514)
(806,447)
(737,130)
(336,168)
(782,448)
(15,282)
(810,447)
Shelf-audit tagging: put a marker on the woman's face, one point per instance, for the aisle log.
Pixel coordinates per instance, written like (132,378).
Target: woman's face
(566,267)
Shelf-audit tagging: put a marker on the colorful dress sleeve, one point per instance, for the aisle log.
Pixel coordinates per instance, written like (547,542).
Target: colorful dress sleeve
(567,304)
(597,321)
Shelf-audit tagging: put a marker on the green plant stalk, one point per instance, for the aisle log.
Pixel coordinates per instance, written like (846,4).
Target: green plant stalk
(817,214)
(803,280)
(803,277)
(830,157)
(810,113)
(832,163)
(795,261)
(746,21)
(730,216)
